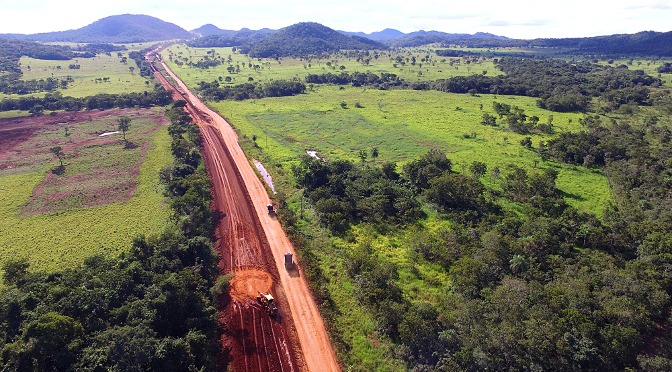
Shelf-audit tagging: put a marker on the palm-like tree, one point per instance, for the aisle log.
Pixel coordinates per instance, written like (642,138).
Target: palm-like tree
(517,263)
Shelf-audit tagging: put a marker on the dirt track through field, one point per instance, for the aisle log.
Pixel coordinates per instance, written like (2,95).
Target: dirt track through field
(252,245)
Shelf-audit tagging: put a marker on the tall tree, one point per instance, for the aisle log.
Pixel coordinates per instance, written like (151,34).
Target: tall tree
(58,152)
(124,126)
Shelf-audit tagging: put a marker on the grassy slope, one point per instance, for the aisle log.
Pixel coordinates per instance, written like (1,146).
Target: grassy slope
(61,239)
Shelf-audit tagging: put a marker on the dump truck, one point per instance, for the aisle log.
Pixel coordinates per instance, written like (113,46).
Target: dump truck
(268,303)
(289,262)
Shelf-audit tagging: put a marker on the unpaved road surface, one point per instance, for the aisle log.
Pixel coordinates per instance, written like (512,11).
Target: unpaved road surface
(252,245)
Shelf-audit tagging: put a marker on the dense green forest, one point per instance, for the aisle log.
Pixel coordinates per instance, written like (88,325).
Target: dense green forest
(277,88)
(152,308)
(561,86)
(242,37)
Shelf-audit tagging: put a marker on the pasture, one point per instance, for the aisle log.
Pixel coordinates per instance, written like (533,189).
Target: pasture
(403,125)
(101,74)
(106,195)
(413,64)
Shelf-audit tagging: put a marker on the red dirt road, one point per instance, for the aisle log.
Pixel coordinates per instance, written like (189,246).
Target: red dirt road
(252,245)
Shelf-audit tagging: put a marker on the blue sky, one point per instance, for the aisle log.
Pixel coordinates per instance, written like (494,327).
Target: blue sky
(513,18)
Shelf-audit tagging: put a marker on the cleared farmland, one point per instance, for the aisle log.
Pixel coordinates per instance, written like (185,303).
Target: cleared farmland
(106,196)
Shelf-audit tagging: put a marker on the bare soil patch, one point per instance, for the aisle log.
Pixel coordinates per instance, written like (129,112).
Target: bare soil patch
(246,284)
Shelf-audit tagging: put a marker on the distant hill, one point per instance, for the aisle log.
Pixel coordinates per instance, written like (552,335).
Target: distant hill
(212,30)
(386,34)
(647,43)
(126,28)
(307,38)
(422,37)
(382,36)
(228,38)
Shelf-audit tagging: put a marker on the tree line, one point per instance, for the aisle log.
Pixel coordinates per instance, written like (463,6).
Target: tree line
(143,66)
(104,101)
(568,88)
(356,79)
(151,308)
(12,84)
(12,50)
(275,88)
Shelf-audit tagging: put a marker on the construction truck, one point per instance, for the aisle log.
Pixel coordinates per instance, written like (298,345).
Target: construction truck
(268,303)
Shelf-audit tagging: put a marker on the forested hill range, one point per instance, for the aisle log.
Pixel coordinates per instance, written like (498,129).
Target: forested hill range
(216,37)
(310,37)
(125,28)
(388,35)
(645,43)
(307,38)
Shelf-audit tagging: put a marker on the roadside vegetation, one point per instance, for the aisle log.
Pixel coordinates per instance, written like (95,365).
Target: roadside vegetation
(468,230)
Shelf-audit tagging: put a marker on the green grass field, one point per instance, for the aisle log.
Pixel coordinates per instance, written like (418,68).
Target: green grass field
(12,114)
(100,74)
(97,214)
(289,68)
(403,125)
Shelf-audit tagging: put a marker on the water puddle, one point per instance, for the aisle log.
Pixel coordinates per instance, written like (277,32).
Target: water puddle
(264,174)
